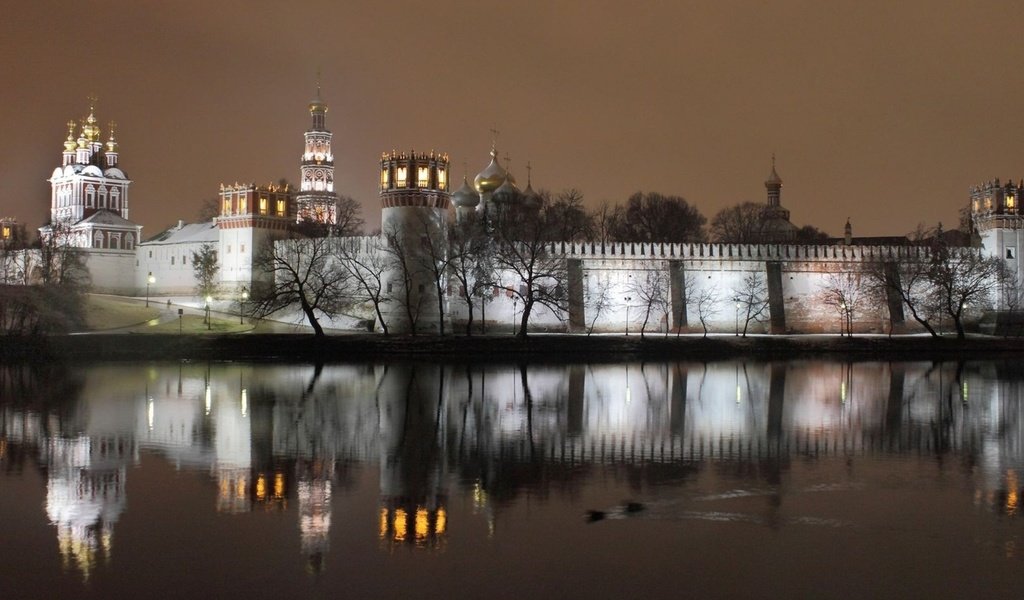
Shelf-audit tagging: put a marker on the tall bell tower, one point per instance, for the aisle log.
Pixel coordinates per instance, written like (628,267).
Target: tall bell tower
(316,200)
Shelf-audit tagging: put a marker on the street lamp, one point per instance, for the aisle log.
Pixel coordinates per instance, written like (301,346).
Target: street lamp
(628,298)
(241,305)
(209,325)
(150,280)
(842,323)
(738,319)
(515,301)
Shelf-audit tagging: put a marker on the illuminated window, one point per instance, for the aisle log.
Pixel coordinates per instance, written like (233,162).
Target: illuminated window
(988,203)
(280,208)
(226,210)
(442,179)
(242,204)
(975,206)
(401,177)
(1010,201)
(383,179)
(423,176)
(263,206)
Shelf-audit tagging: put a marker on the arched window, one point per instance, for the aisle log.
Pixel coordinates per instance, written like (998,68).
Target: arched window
(129,242)
(97,240)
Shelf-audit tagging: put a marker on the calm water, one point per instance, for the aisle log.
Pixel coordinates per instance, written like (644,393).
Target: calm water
(229,480)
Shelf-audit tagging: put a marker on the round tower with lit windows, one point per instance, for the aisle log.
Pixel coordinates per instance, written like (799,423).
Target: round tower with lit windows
(997,217)
(414,219)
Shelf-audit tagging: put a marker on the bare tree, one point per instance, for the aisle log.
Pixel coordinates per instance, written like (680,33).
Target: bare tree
(433,260)
(527,267)
(706,303)
(209,209)
(205,268)
(302,272)
(403,262)
(843,293)
(650,289)
(597,299)
(347,219)
(606,220)
(655,218)
(751,299)
(742,223)
(570,222)
(60,261)
(908,281)
(962,279)
(366,271)
(471,263)
(15,258)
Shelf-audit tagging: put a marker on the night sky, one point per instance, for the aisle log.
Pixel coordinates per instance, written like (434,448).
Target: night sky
(884,112)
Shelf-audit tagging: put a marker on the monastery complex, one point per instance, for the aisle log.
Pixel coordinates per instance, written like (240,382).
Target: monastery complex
(90,202)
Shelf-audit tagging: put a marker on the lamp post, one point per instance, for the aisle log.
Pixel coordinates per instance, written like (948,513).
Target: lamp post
(738,319)
(209,325)
(842,323)
(241,305)
(150,280)
(627,299)
(515,302)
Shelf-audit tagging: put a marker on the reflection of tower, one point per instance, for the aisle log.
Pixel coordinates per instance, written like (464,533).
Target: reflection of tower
(411,478)
(415,202)
(314,495)
(85,495)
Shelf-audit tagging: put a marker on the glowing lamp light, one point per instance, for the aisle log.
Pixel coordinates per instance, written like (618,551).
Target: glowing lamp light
(401,176)
(423,176)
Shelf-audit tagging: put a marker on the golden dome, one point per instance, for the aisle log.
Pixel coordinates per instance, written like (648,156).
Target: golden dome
(491,177)
(70,144)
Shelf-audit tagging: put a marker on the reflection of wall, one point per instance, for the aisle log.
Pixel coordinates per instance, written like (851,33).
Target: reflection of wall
(274,434)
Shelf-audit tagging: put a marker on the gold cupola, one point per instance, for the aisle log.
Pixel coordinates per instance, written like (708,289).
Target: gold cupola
(492,176)
(70,144)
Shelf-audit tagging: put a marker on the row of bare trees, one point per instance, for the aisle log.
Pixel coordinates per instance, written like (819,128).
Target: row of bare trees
(329,275)
(42,284)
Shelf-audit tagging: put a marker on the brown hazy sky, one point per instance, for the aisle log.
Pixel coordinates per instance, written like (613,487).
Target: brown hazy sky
(881,111)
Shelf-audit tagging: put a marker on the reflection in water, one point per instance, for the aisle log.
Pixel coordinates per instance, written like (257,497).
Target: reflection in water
(286,438)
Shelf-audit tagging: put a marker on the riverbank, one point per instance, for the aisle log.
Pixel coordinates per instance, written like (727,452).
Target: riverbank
(535,348)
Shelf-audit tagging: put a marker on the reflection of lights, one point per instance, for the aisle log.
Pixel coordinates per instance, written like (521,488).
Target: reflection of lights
(842,392)
(149,414)
(964,393)
(1012,495)
(209,399)
(442,521)
(422,525)
(240,489)
(479,495)
(399,524)
(261,487)
(245,402)
(383,523)
(278,485)
(739,393)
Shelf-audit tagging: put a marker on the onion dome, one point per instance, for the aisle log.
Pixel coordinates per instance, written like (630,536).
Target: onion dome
(773,179)
(491,177)
(465,196)
(70,144)
(507,193)
(531,199)
(111,143)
